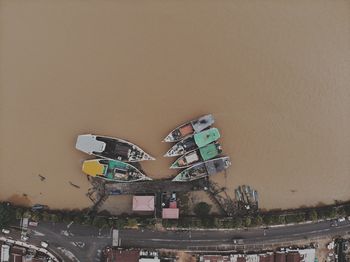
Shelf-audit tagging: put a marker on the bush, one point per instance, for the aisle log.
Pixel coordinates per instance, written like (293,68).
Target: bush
(7,214)
(202,209)
(312,215)
(247,221)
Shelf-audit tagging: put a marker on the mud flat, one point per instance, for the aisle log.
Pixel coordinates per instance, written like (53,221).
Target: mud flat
(275,76)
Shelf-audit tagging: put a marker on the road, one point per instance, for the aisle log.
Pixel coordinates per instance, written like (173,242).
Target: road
(95,240)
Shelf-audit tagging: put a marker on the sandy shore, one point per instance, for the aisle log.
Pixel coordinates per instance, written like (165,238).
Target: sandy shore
(275,76)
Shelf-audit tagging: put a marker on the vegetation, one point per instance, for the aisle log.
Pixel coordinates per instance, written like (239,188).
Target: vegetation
(202,210)
(203,219)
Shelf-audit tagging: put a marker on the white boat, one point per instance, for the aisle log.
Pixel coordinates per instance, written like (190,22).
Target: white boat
(111,148)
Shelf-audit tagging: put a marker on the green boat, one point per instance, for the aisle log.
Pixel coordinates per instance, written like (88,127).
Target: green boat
(202,154)
(193,142)
(113,170)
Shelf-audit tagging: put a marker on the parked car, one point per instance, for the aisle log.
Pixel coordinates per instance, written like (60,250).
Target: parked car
(44,244)
(24,238)
(5,231)
(341,219)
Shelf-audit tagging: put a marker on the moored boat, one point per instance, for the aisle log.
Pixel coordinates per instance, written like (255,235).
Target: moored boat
(201,154)
(113,170)
(203,169)
(189,128)
(111,148)
(193,142)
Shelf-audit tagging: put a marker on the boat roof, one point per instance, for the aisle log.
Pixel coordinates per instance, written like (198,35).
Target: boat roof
(89,144)
(205,137)
(216,165)
(202,123)
(93,168)
(209,151)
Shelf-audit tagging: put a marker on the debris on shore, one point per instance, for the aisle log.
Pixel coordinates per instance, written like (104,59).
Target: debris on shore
(42,178)
(74,185)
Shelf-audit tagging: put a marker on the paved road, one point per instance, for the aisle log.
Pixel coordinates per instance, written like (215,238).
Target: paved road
(95,240)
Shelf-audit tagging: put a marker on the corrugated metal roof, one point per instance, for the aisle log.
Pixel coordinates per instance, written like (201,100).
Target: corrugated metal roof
(170,213)
(143,203)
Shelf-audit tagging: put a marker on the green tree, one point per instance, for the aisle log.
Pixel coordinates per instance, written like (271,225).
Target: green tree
(236,222)
(19,212)
(7,214)
(99,222)
(312,215)
(258,220)
(267,219)
(54,218)
(131,222)
(247,221)
(202,209)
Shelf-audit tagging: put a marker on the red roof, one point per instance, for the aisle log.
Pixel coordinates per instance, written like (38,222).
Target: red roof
(143,203)
(170,213)
(173,204)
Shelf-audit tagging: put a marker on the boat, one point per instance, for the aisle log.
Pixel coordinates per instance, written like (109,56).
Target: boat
(189,128)
(111,148)
(203,169)
(201,154)
(113,170)
(193,142)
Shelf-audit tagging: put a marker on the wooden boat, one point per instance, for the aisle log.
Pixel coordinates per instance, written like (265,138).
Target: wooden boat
(203,169)
(199,155)
(111,148)
(189,128)
(193,142)
(113,170)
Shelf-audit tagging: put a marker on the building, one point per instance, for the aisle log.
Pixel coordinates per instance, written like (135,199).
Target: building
(288,255)
(170,213)
(143,203)
(5,253)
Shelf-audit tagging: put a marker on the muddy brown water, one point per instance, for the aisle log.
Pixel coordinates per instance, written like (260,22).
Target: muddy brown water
(275,76)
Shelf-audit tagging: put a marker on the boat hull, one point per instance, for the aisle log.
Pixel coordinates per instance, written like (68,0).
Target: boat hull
(189,128)
(203,169)
(193,142)
(195,156)
(113,170)
(111,148)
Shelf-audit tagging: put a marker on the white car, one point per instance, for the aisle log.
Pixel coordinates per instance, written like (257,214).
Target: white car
(44,244)
(5,231)
(24,238)
(341,219)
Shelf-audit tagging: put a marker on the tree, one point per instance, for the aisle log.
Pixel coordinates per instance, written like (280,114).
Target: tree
(19,212)
(202,209)
(131,222)
(54,218)
(258,220)
(247,221)
(99,222)
(236,222)
(7,214)
(312,215)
